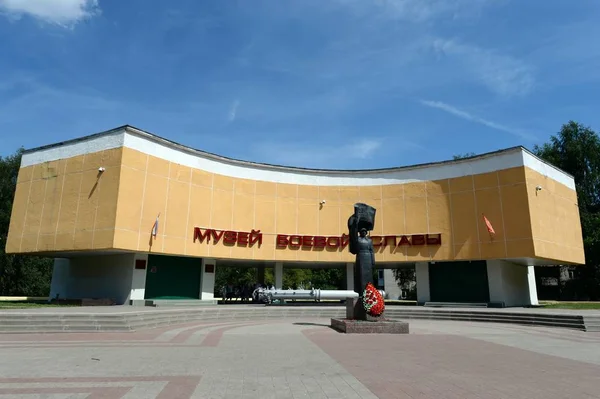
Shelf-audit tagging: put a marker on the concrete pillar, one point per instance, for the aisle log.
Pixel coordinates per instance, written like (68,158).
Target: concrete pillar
(350,276)
(138,279)
(60,278)
(422,276)
(278,272)
(260,275)
(207,279)
(511,284)
(532,288)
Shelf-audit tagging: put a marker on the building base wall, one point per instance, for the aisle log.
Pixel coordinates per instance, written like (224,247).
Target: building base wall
(511,284)
(102,276)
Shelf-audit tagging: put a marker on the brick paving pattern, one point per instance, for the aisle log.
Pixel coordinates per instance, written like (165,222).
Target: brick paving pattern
(303,359)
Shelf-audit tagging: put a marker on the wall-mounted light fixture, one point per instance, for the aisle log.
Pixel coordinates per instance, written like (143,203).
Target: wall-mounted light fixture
(538,188)
(101,169)
(322,202)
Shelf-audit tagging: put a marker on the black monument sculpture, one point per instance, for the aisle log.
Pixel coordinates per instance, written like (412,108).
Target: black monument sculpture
(358,319)
(361,245)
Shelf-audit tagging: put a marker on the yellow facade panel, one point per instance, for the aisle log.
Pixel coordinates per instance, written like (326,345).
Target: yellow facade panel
(222,210)
(415,189)
(157,166)
(488,203)
(464,218)
(349,194)
(416,215)
(134,159)
(370,193)
(329,194)
(393,221)
(243,212)
(35,203)
(17,218)
(245,186)
(309,192)
(176,215)
(180,173)
(460,184)
(103,239)
(25,174)
(437,187)
(516,212)
(330,219)
(286,216)
(202,178)
(440,216)
(200,208)
(265,188)
(224,183)
(69,203)
(129,240)
(264,214)
(511,176)
(51,205)
(485,180)
(308,217)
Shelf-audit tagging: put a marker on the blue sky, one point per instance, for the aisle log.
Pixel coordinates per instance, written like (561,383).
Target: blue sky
(315,83)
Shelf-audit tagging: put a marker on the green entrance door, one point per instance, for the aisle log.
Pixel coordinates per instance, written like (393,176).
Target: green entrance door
(462,282)
(173,277)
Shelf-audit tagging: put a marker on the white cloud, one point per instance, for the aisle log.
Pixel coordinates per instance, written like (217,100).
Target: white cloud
(502,74)
(60,12)
(473,118)
(233,110)
(416,10)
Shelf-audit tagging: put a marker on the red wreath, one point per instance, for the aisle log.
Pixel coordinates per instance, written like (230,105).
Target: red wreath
(373,301)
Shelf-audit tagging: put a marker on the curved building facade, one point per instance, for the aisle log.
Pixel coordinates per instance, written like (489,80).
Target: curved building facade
(121,207)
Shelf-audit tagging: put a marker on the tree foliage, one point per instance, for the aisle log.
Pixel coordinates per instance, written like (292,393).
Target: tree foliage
(463,156)
(576,150)
(19,275)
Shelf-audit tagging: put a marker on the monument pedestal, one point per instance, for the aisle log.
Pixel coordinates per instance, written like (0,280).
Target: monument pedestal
(357,321)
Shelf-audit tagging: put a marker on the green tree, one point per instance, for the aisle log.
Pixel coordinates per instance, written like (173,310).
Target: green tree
(19,275)
(463,156)
(576,150)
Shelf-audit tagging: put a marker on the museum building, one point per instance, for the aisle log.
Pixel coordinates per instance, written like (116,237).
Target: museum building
(134,217)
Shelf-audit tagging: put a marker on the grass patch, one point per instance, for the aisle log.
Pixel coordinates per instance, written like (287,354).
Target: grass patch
(30,305)
(572,305)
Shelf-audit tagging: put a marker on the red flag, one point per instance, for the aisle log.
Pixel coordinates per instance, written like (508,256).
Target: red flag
(490,229)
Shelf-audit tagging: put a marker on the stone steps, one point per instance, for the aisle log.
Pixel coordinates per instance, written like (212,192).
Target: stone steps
(454,305)
(139,320)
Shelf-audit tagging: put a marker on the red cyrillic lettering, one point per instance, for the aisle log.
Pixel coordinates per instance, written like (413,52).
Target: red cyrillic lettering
(434,239)
(295,241)
(255,236)
(376,241)
(282,240)
(387,239)
(217,234)
(230,237)
(199,236)
(242,238)
(344,240)
(307,241)
(404,241)
(319,242)
(418,239)
(333,242)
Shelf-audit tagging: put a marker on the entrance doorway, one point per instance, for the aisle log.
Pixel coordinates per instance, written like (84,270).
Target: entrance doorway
(460,282)
(173,277)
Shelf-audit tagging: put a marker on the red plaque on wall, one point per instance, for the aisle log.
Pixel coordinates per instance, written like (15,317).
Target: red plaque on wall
(140,264)
(209,268)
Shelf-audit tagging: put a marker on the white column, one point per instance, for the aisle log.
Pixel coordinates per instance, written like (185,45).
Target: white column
(422,276)
(138,278)
(533,298)
(207,279)
(60,278)
(350,276)
(495,269)
(278,275)
(391,286)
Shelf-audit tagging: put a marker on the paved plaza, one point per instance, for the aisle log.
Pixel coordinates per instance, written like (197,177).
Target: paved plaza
(303,358)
